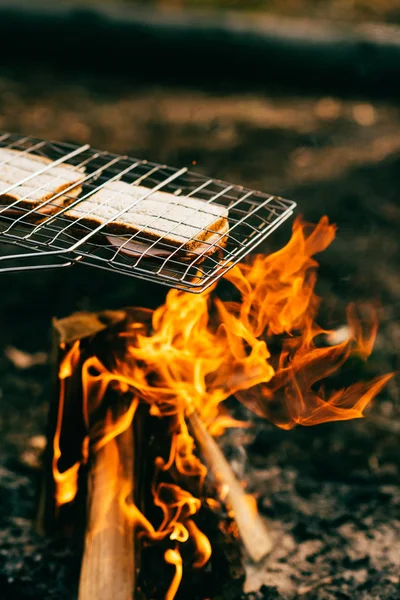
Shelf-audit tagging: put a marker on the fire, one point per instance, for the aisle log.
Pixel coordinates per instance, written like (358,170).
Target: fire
(195,351)
(66,481)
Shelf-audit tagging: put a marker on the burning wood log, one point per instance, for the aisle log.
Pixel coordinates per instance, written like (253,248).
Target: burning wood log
(108,546)
(224,574)
(108,569)
(252,529)
(86,467)
(82,328)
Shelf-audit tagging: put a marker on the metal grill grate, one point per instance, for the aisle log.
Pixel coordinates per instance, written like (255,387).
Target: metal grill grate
(53,239)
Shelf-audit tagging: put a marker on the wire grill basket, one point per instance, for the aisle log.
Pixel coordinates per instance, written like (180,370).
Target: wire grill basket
(52,239)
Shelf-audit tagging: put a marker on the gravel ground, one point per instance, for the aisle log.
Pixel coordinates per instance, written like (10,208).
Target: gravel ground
(330,492)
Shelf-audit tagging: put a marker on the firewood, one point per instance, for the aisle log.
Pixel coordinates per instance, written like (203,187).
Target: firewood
(108,547)
(252,529)
(224,574)
(83,327)
(112,555)
(108,569)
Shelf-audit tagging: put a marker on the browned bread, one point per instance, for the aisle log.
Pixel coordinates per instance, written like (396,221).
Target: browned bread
(173,221)
(214,243)
(39,190)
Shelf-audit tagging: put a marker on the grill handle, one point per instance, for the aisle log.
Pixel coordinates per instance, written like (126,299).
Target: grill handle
(30,262)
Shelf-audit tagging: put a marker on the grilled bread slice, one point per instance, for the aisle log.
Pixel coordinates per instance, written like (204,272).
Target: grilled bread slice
(174,222)
(16,166)
(216,241)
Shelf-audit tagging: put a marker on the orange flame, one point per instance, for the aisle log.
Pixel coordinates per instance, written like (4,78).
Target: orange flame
(202,350)
(199,350)
(278,297)
(66,482)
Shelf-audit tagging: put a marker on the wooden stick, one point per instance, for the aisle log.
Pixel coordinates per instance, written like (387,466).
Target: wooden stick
(252,529)
(108,569)
(85,327)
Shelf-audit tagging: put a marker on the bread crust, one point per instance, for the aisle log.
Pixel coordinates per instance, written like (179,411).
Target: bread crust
(177,221)
(120,229)
(10,174)
(216,242)
(47,209)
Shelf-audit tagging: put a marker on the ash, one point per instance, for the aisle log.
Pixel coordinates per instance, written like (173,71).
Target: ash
(330,493)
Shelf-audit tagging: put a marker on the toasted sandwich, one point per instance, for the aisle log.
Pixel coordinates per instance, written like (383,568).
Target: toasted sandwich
(141,222)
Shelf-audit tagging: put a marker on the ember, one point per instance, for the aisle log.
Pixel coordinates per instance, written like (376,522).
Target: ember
(183,361)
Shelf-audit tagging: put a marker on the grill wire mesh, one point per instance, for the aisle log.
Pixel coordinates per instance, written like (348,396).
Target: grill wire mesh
(54,240)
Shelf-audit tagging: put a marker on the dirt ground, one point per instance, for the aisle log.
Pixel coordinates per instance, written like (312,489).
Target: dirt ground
(330,492)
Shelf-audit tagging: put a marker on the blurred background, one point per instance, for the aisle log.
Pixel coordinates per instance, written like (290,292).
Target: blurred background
(354,10)
(298,98)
